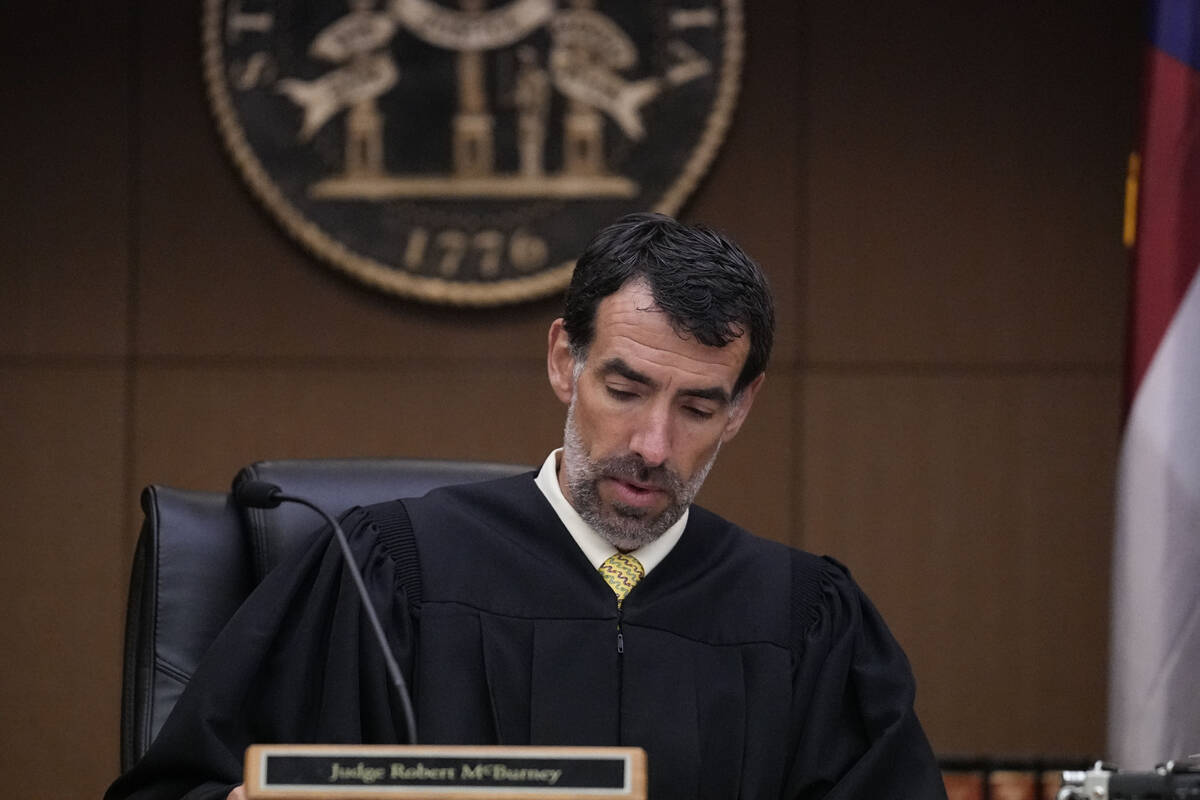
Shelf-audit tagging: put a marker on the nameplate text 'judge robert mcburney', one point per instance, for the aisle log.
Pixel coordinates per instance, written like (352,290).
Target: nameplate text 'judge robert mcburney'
(405,771)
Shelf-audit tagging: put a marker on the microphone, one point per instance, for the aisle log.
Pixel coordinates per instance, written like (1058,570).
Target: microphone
(261,494)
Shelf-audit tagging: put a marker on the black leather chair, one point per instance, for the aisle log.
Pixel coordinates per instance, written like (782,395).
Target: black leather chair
(199,557)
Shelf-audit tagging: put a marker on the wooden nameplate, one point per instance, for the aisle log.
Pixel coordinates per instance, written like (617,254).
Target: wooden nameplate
(445,772)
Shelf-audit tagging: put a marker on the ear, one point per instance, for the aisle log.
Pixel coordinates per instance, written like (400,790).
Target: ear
(560,364)
(741,407)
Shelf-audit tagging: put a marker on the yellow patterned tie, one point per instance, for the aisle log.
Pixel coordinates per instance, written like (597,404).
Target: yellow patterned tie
(621,572)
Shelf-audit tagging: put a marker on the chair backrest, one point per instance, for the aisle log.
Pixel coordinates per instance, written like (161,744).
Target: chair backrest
(198,557)
(340,484)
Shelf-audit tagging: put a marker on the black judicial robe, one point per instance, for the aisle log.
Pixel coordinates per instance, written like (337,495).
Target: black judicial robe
(748,669)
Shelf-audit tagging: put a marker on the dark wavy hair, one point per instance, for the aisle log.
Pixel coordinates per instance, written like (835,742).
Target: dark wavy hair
(709,288)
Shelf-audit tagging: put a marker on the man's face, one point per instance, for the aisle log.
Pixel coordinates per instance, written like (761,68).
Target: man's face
(647,412)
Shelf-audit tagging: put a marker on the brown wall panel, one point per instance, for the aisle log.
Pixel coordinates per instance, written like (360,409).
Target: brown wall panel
(61,485)
(753,191)
(197,425)
(753,479)
(64,168)
(976,510)
(966,181)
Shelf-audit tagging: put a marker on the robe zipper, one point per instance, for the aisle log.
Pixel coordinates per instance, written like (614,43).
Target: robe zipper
(620,674)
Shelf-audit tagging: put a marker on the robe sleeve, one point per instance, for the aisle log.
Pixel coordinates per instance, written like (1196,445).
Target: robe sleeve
(857,733)
(297,663)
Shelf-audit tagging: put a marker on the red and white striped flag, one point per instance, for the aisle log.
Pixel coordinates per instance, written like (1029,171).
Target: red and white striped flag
(1154,693)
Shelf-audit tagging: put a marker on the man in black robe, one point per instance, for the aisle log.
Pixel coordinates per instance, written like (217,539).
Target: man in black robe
(590,603)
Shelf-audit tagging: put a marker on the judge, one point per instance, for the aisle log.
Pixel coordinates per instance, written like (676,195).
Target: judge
(589,603)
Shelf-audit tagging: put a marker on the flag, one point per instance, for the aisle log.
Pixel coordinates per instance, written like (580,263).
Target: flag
(1154,688)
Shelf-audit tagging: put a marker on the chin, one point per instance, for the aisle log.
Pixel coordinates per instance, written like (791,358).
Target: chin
(626,544)
(631,528)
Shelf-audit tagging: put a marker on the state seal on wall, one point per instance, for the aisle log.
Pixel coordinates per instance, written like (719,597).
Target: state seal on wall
(463,151)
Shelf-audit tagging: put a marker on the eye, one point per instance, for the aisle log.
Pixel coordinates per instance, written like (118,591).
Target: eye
(619,394)
(698,413)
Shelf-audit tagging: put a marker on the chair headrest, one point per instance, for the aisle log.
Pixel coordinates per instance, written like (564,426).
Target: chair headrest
(337,485)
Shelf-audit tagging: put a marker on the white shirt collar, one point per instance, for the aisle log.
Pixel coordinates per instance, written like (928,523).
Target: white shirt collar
(591,543)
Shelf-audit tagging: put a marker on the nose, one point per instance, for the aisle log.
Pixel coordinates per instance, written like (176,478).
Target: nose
(651,437)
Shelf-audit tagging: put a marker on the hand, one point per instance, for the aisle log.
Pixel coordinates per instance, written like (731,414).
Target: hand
(238,793)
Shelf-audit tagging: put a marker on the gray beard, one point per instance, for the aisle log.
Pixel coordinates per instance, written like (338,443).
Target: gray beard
(624,527)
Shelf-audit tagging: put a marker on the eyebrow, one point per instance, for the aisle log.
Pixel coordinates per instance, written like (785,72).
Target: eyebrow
(619,367)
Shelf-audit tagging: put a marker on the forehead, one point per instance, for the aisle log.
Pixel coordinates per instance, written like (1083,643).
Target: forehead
(631,327)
